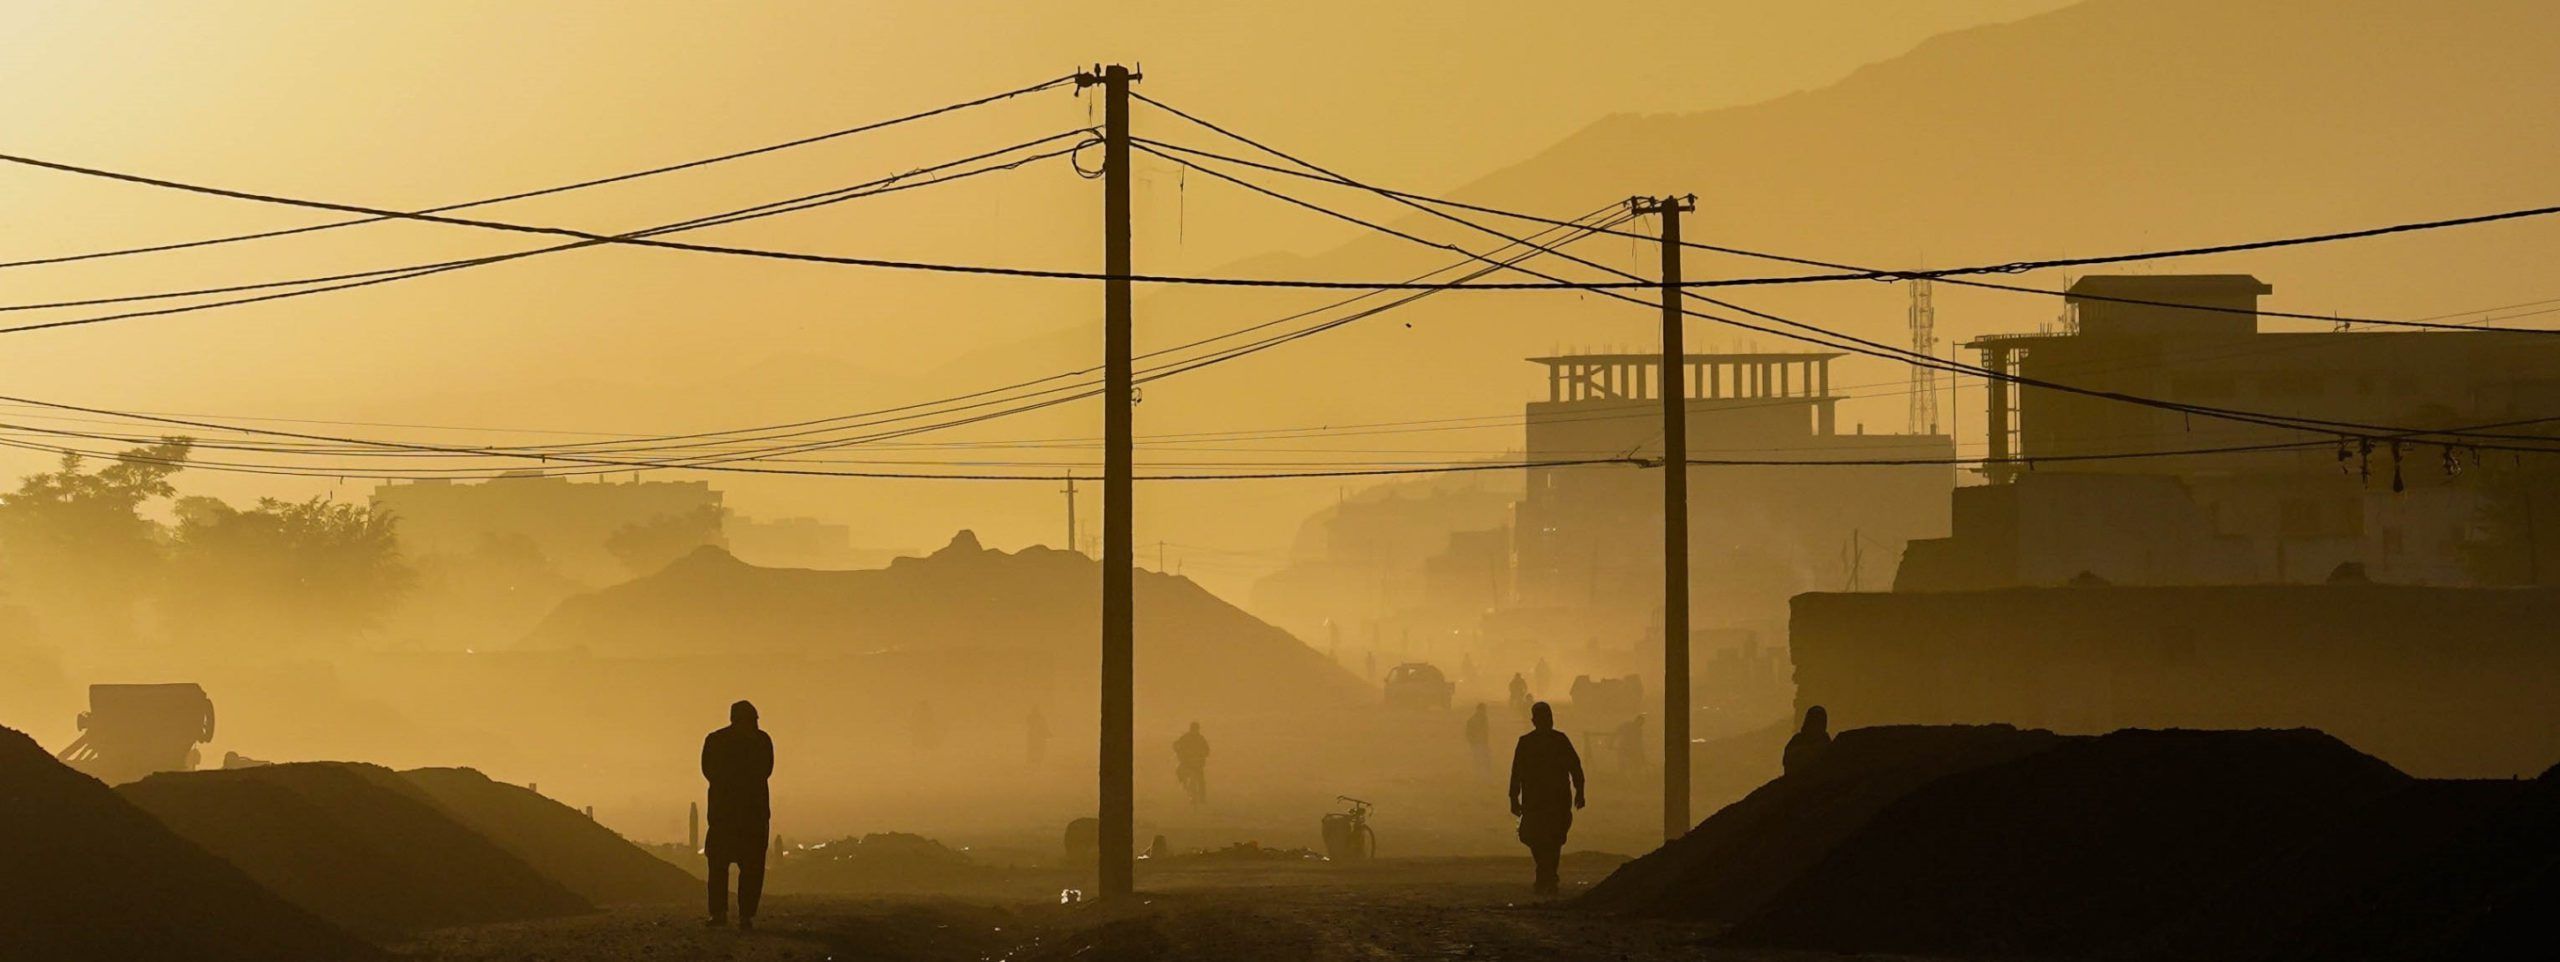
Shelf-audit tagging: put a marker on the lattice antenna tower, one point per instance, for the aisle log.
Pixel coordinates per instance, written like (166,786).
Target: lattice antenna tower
(1924,342)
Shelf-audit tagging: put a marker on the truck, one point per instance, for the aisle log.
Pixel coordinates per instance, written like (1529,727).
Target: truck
(131,731)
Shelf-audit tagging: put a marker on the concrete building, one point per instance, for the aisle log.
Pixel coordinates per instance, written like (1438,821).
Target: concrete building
(568,521)
(1587,539)
(2291,511)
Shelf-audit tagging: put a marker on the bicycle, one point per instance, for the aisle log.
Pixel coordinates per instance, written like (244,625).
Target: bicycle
(1347,835)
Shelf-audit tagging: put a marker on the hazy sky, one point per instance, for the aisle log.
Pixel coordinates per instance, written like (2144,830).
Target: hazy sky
(415,105)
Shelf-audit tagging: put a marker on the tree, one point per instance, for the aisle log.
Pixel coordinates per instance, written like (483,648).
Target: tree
(646,546)
(314,571)
(75,549)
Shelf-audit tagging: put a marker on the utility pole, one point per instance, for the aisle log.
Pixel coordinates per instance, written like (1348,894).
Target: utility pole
(1673,385)
(1070,492)
(1117,870)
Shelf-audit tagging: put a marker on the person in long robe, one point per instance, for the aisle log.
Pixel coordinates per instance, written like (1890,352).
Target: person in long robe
(1546,786)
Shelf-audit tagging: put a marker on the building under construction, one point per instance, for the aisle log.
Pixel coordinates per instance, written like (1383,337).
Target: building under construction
(2134,566)
(2084,483)
(1765,524)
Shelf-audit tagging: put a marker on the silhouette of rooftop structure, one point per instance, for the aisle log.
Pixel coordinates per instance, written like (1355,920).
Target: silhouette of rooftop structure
(2195,339)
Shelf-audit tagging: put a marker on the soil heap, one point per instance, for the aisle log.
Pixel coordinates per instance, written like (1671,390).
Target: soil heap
(1736,861)
(89,876)
(560,842)
(1035,611)
(352,843)
(2238,845)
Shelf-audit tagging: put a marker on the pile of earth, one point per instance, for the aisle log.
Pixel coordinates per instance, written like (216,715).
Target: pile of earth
(89,876)
(355,844)
(558,841)
(2167,844)
(880,860)
(1029,613)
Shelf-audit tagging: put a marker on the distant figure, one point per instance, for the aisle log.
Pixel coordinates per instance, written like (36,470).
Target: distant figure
(1806,749)
(1546,786)
(1035,738)
(1480,742)
(1629,738)
(1191,763)
(1519,695)
(736,761)
(1369,664)
(1544,677)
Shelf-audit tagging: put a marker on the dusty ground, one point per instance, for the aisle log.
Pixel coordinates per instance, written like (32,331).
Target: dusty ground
(1476,908)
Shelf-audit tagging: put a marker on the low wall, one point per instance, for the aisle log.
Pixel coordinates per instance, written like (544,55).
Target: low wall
(2442,682)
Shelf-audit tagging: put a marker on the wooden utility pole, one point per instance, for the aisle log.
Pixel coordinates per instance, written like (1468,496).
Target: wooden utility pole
(1118,867)
(1673,385)
(1070,492)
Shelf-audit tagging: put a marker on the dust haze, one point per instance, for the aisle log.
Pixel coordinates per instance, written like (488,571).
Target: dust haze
(493,482)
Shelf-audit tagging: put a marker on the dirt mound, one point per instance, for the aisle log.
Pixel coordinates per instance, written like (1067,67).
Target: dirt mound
(2189,845)
(878,861)
(355,844)
(2440,870)
(89,876)
(1037,609)
(558,841)
(1736,861)
(2093,844)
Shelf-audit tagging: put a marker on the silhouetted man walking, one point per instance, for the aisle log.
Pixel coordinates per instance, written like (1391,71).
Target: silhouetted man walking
(1191,763)
(736,761)
(1480,742)
(1546,786)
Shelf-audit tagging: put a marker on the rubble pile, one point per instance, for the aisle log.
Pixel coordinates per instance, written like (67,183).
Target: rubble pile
(355,844)
(89,876)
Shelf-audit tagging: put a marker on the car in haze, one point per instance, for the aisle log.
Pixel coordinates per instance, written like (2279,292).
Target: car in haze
(1417,684)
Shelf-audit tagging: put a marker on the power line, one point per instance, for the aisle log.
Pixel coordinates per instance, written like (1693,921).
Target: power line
(562,188)
(1950,275)
(1853,343)
(887,185)
(591,464)
(1026,272)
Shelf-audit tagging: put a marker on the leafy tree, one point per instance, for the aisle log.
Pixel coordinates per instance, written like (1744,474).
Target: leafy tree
(75,549)
(314,571)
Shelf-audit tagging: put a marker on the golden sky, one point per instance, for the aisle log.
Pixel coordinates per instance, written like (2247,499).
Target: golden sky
(416,105)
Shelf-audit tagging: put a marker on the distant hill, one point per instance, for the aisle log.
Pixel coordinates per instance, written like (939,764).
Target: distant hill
(1025,621)
(2111,125)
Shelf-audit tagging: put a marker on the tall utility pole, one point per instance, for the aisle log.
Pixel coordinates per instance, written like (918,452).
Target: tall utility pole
(1070,492)
(1673,385)
(1118,868)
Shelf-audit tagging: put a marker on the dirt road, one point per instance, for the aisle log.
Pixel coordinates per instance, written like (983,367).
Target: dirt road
(1475,909)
